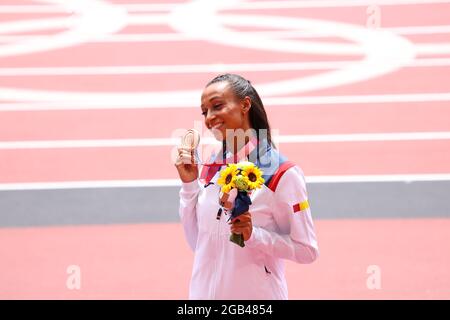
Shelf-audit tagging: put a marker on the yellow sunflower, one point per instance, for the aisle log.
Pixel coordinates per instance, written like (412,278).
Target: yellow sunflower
(254,176)
(227,178)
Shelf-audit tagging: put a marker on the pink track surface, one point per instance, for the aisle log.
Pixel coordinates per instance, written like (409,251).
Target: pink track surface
(153,261)
(134,124)
(348,158)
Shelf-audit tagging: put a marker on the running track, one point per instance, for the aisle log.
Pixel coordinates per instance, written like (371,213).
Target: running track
(94,94)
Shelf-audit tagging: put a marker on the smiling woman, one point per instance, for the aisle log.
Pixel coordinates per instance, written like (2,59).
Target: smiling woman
(279,225)
(230,102)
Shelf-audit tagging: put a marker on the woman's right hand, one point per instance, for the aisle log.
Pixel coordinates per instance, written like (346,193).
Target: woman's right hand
(185,164)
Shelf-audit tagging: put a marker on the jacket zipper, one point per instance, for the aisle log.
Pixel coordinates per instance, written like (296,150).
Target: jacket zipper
(217,259)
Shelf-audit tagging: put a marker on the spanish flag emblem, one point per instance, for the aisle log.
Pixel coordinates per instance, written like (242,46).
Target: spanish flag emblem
(301,206)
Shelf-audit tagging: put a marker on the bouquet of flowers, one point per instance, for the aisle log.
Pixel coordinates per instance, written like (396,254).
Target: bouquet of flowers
(237,182)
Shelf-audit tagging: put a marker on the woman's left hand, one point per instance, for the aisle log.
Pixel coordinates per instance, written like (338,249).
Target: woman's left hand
(242,225)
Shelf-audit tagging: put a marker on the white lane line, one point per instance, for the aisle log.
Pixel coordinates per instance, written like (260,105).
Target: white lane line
(199,68)
(400,51)
(358,137)
(105,143)
(149,7)
(36,25)
(343,99)
(146,19)
(93,19)
(269,5)
(379,178)
(188,103)
(90,184)
(253,5)
(161,142)
(430,62)
(407,178)
(257,5)
(166,37)
(420,30)
(432,48)
(175,69)
(32,8)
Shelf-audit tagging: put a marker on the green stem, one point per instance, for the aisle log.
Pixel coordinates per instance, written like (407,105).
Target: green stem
(238,239)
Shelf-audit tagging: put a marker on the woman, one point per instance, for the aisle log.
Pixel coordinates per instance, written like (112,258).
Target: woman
(278,225)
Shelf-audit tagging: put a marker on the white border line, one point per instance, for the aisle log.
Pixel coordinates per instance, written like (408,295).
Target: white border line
(277,34)
(419,30)
(253,5)
(352,99)
(176,69)
(379,178)
(184,18)
(199,68)
(407,178)
(292,4)
(268,101)
(160,142)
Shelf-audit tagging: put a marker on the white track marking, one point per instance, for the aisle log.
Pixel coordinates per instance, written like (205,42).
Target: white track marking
(432,49)
(253,5)
(406,178)
(174,69)
(104,143)
(147,19)
(369,43)
(162,142)
(431,62)
(36,25)
(185,18)
(420,30)
(199,68)
(91,19)
(33,8)
(75,21)
(365,42)
(90,184)
(379,178)
(176,37)
(363,137)
(258,5)
(192,102)
(352,99)
(113,38)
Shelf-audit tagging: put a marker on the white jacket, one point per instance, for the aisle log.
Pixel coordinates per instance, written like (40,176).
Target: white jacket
(224,270)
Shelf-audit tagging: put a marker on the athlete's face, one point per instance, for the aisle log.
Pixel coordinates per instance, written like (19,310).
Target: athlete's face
(223,110)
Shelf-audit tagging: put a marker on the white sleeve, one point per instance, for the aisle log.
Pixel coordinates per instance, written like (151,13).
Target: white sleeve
(188,201)
(296,239)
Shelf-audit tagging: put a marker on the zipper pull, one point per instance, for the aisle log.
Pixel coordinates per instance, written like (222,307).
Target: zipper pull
(208,184)
(219,213)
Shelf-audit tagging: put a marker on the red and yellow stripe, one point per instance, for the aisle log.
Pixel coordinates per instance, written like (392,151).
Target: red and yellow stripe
(301,206)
